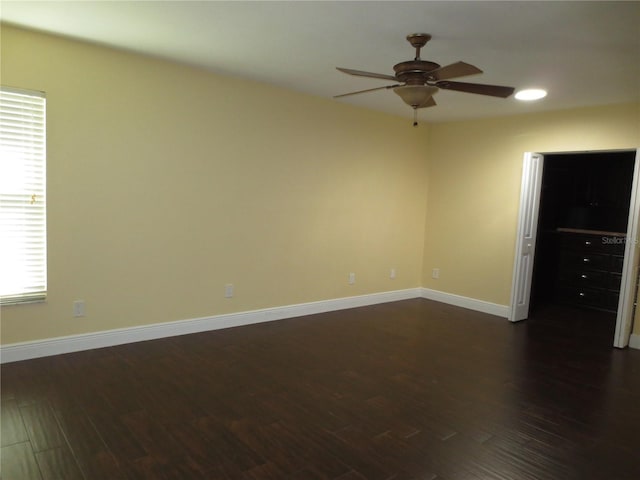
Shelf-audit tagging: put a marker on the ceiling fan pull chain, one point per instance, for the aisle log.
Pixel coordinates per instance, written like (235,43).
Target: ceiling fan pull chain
(415,117)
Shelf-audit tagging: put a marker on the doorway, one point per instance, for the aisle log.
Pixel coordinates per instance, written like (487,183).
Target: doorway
(582,231)
(577,211)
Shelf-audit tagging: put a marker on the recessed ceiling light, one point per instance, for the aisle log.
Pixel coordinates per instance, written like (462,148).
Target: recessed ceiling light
(531,94)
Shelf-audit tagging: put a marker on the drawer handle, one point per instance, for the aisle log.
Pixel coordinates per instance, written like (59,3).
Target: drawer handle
(584,276)
(587,243)
(586,260)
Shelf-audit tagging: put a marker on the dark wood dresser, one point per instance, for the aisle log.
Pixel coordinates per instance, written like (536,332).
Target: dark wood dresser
(590,268)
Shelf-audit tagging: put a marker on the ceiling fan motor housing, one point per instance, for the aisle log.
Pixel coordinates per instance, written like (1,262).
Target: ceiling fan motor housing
(414,72)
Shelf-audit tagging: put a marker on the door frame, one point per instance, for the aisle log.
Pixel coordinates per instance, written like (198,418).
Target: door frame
(528,212)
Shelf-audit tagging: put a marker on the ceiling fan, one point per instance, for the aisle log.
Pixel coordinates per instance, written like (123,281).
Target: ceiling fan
(420,79)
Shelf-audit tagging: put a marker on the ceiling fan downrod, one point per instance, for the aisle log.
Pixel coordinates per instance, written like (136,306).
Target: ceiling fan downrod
(418,40)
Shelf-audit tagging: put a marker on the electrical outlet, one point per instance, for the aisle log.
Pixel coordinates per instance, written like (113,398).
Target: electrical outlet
(352,278)
(435,273)
(228,290)
(78,308)
(392,274)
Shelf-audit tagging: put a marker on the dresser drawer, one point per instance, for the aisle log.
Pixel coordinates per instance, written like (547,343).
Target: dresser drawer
(613,245)
(585,278)
(583,243)
(614,281)
(616,263)
(609,244)
(612,300)
(588,297)
(585,261)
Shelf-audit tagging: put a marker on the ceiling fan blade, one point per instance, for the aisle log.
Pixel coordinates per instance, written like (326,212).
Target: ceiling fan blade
(429,103)
(480,89)
(360,73)
(455,70)
(367,90)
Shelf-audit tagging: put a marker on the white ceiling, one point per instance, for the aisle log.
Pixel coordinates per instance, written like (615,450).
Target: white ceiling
(584,53)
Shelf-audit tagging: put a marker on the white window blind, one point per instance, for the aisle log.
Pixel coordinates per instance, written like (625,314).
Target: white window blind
(23,223)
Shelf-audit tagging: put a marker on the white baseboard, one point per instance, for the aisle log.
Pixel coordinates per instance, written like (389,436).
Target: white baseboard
(634,341)
(108,338)
(466,302)
(54,346)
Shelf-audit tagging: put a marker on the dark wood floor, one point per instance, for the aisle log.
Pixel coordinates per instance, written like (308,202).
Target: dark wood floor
(405,390)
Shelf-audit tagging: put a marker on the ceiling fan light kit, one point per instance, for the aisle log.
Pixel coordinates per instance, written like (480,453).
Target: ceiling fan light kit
(421,79)
(415,95)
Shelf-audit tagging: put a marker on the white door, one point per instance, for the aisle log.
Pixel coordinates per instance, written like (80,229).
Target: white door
(624,319)
(526,235)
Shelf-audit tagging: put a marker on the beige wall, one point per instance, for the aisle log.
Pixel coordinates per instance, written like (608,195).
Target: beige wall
(166,182)
(474,173)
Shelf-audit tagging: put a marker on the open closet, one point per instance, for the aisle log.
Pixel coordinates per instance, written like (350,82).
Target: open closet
(584,210)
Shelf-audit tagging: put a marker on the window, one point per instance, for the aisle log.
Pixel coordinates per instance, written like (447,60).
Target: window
(23,234)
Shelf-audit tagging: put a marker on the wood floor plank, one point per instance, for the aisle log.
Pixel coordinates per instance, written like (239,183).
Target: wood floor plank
(266,471)
(162,468)
(92,455)
(42,426)
(151,435)
(232,453)
(58,463)
(17,462)
(13,430)
(116,436)
(351,475)
(309,474)
(411,390)
(24,382)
